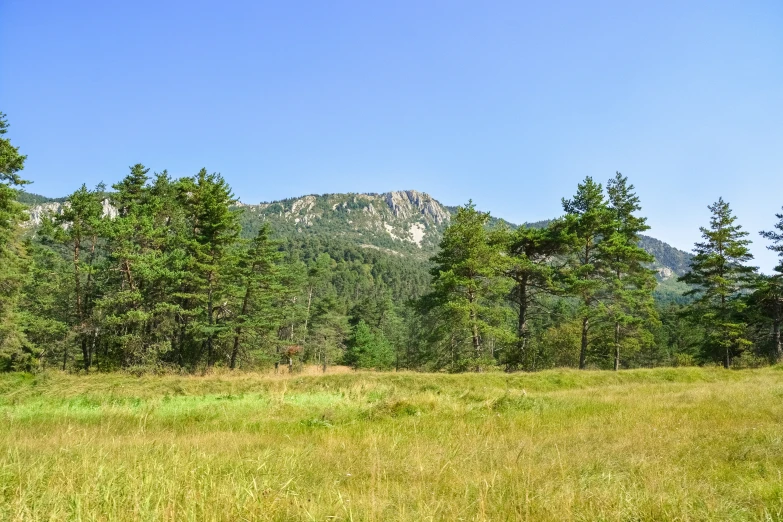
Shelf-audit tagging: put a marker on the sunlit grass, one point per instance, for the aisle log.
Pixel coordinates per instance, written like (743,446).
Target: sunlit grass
(669,444)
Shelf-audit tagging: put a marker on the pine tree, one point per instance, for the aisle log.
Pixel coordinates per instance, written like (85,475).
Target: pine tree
(13,255)
(45,303)
(769,293)
(135,308)
(529,261)
(214,227)
(369,349)
(720,277)
(328,331)
(465,284)
(79,229)
(259,311)
(629,304)
(587,220)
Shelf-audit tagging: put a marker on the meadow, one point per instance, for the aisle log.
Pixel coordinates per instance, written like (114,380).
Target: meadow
(681,444)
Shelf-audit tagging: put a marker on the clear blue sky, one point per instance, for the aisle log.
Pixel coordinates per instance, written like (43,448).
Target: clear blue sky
(507,103)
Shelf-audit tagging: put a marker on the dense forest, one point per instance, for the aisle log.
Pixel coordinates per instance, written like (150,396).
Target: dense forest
(161,274)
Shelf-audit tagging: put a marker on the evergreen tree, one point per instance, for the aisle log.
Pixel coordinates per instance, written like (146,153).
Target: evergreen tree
(462,306)
(45,305)
(78,227)
(529,261)
(259,311)
(214,228)
(769,292)
(13,255)
(328,331)
(720,277)
(369,349)
(629,304)
(587,220)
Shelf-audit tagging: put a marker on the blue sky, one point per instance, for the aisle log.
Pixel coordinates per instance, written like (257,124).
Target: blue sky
(508,103)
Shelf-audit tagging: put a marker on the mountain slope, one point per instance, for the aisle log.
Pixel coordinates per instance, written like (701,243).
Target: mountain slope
(402,223)
(405,222)
(408,223)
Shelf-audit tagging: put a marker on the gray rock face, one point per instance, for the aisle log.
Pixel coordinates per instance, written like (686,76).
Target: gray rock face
(408,203)
(37,213)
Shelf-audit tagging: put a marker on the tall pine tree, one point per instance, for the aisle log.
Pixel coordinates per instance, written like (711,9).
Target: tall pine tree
(530,260)
(259,310)
(720,277)
(465,288)
(587,220)
(770,292)
(214,228)
(629,303)
(12,254)
(79,228)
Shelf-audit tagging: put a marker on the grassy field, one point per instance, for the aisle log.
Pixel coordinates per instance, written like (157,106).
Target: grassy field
(668,444)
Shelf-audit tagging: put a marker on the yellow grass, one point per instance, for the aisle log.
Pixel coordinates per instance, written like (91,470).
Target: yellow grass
(669,444)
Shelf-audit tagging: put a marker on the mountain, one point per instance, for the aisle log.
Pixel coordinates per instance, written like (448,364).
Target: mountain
(407,223)
(404,223)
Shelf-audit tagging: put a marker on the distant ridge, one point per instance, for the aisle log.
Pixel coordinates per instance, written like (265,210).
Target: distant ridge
(405,222)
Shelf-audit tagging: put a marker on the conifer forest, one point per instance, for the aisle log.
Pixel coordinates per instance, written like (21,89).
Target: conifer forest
(153,273)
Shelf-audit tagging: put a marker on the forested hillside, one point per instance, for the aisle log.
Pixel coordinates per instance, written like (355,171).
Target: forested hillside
(405,225)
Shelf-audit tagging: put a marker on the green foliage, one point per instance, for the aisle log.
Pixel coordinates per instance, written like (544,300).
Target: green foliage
(526,260)
(30,199)
(720,279)
(369,350)
(165,273)
(14,346)
(628,304)
(462,313)
(587,219)
(767,298)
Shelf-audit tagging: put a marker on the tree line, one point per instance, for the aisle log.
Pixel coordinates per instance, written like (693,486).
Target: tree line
(168,274)
(579,291)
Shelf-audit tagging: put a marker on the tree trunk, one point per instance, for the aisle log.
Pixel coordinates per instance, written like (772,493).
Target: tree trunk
(583,349)
(307,315)
(616,346)
(776,331)
(522,331)
(474,329)
(209,321)
(727,360)
(235,349)
(585,320)
(238,329)
(85,354)
(91,350)
(476,338)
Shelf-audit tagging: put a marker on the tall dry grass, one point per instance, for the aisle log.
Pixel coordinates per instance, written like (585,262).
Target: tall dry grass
(669,444)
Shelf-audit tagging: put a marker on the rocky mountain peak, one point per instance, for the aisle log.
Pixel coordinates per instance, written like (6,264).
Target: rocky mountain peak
(408,203)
